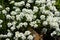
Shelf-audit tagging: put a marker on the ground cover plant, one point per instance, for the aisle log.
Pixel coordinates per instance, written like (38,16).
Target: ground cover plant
(29,19)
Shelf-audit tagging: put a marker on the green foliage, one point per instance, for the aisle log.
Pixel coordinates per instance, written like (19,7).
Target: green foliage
(57,4)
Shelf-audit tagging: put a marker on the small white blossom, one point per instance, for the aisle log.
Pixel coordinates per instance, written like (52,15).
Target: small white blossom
(7,39)
(0,26)
(7,8)
(45,23)
(21,34)
(1,6)
(30,37)
(12,28)
(38,2)
(19,3)
(35,9)
(13,17)
(17,10)
(13,13)
(30,1)
(27,5)
(57,13)
(53,33)
(9,24)
(18,17)
(9,34)
(12,2)
(4,12)
(33,23)
(25,24)
(8,17)
(58,29)
(17,34)
(1,21)
(42,17)
(14,22)
(54,24)
(1,35)
(49,4)
(23,37)
(35,26)
(27,33)
(4,36)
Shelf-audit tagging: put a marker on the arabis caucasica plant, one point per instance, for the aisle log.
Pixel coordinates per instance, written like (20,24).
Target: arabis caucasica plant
(16,16)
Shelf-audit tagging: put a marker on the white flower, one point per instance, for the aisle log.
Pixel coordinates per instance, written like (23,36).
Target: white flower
(12,28)
(16,4)
(55,19)
(22,15)
(51,14)
(1,21)
(57,13)
(4,36)
(49,4)
(27,33)
(42,17)
(13,13)
(9,24)
(4,12)
(53,33)
(22,3)
(30,1)
(59,22)
(58,29)
(9,34)
(0,26)
(13,17)
(24,10)
(20,24)
(45,23)
(30,11)
(14,7)
(42,9)
(34,16)
(35,26)
(35,9)
(18,17)
(33,23)
(54,24)
(7,39)
(23,37)
(12,2)
(38,2)
(8,17)
(17,10)
(1,6)
(19,3)
(14,22)
(52,8)
(37,20)
(43,1)
(47,12)
(25,24)
(1,35)
(7,8)
(48,0)
(27,5)
(49,18)
(29,18)
(21,34)
(53,2)
(17,34)
(30,37)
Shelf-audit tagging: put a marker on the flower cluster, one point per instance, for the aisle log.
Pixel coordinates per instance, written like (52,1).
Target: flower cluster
(31,13)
